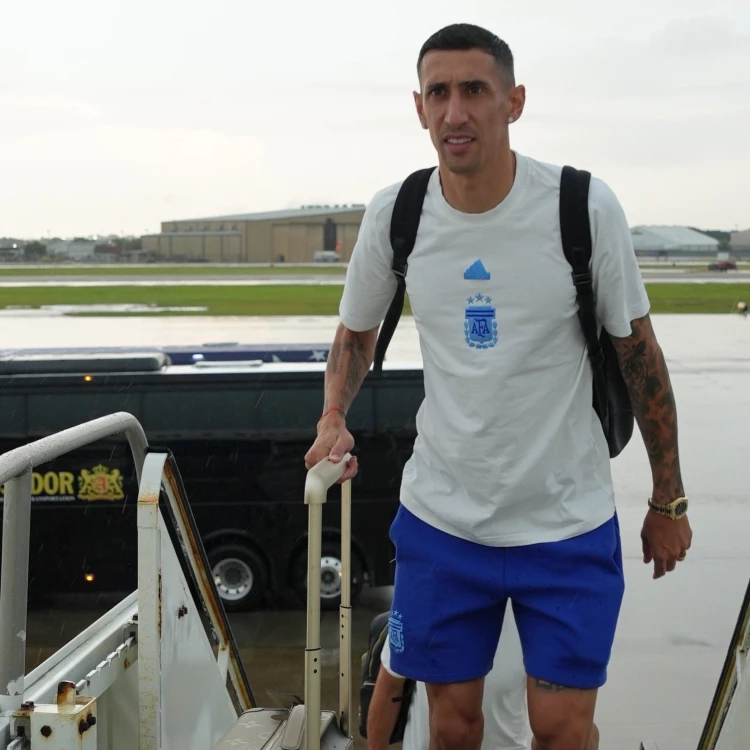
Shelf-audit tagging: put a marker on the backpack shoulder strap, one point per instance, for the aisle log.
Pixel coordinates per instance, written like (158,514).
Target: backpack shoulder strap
(576,241)
(407,212)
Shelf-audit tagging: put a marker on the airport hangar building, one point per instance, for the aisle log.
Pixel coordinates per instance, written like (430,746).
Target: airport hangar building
(290,236)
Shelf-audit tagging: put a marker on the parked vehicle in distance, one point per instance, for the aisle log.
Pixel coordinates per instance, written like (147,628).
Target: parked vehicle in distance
(723,265)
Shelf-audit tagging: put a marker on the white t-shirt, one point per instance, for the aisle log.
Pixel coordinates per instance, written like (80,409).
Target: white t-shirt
(506,723)
(509,450)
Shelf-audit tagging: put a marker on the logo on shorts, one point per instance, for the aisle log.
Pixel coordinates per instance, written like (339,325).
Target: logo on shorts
(396,632)
(480,325)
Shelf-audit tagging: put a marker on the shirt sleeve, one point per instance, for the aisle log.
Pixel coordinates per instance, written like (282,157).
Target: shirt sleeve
(618,284)
(370,284)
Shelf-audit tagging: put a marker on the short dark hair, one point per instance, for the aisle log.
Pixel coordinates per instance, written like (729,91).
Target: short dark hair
(465,36)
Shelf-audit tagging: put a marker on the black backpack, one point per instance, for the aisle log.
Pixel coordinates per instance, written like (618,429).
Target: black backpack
(370,669)
(611,399)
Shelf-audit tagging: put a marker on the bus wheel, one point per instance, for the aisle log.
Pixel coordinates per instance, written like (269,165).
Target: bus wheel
(240,575)
(330,575)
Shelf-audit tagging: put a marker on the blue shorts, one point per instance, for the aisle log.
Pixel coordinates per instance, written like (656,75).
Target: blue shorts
(450,596)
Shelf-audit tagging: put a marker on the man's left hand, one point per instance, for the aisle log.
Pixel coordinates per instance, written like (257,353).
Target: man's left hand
(665,541)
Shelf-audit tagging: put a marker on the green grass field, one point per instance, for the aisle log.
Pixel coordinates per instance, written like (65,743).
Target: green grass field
(318,300)
(173,270)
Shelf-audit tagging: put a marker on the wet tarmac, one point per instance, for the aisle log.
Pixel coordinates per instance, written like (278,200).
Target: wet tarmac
(650,275)
(673,633)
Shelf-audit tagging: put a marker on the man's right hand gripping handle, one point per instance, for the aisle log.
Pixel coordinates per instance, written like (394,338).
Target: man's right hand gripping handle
(333,441)
(349,361)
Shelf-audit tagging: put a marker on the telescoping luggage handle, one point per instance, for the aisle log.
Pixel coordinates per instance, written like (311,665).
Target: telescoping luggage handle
(319,480)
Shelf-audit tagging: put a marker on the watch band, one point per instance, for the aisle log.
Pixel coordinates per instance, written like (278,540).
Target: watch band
(676,509)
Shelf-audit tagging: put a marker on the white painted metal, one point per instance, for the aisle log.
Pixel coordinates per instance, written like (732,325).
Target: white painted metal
(77,658)
(196,708)
(14,583)
(66,726)
(102,662)
(150,653)
(149,605)
(183,696)
(15,474)
(192,550)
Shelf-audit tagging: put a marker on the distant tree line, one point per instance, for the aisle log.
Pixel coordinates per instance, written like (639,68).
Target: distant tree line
(717,234)
(33,251)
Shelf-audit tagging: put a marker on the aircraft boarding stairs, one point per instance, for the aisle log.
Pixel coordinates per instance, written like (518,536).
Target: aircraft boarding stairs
(161,670)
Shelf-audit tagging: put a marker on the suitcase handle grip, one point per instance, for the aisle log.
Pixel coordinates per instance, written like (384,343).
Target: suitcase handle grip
(322,477)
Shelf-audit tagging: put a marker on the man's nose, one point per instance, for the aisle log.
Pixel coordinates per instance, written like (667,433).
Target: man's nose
(456,112)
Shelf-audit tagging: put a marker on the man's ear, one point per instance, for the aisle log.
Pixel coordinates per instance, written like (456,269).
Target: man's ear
(420,110)
(517,102)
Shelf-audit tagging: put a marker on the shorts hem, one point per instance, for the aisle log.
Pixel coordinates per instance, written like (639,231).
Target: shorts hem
(446,678)
(580,679)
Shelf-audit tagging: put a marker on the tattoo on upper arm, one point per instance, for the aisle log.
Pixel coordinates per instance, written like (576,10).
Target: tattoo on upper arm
(645,373)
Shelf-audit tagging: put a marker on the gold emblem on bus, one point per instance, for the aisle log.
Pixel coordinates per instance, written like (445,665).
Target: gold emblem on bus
(100,483)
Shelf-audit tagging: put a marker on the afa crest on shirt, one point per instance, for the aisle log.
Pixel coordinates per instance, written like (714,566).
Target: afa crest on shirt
(480,323)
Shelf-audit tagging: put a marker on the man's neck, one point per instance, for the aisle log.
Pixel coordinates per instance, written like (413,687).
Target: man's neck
(481,191)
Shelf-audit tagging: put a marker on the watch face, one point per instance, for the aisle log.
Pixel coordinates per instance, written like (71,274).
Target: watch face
(681,508)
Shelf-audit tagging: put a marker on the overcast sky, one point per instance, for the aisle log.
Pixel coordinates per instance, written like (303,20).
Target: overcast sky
(116,116)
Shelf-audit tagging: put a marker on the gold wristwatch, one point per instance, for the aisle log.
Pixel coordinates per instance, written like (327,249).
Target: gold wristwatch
(674,510)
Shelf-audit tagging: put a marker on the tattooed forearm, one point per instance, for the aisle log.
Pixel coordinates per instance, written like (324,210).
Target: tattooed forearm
(349,360)
(646,375)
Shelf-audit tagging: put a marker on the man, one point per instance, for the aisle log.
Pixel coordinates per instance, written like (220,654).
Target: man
(508,493)
(503,704)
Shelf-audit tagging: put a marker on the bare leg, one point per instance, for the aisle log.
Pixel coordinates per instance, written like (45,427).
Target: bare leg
(593,743)
(456,720)
(561,718)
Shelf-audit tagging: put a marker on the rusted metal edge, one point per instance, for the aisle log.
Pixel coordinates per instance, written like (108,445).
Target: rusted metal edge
(187,530)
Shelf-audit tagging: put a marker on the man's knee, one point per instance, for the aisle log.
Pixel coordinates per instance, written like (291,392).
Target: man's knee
(456,731)
(456,720)
(567,738)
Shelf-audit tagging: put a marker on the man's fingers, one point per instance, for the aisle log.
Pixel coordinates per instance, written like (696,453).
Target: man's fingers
(646,550)
(351,470)
(340,447)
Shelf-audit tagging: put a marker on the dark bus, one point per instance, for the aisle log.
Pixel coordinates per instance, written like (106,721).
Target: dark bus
(239,429)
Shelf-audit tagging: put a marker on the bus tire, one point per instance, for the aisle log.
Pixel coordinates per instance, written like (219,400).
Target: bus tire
(240,575)
(330,570)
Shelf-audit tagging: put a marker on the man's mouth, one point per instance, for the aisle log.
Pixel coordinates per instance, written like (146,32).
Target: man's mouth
(458,144)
